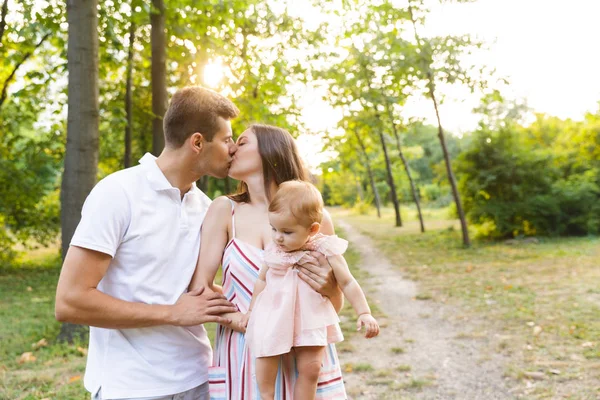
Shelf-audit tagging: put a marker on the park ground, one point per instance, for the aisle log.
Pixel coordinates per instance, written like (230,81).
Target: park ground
(515,319)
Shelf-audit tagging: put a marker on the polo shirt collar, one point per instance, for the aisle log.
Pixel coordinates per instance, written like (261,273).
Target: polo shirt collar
(157,178)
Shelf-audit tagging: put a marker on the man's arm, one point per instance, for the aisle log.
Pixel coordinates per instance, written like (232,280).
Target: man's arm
(79,301)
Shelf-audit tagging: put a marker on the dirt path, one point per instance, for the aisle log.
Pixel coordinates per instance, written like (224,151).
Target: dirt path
(424,352)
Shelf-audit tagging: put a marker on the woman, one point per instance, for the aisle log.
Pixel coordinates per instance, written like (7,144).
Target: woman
(235,231)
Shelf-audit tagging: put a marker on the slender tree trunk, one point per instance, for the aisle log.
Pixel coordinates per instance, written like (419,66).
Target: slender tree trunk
(388,167)
(413,187)
(451,178)
(159,74)
(81,156)
(3,18)
(128,100)
(359,189)
(369,172)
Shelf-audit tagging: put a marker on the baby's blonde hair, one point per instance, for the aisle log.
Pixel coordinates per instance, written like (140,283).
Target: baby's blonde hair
(300,198)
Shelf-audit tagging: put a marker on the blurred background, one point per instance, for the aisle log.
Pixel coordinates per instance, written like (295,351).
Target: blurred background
(475,122)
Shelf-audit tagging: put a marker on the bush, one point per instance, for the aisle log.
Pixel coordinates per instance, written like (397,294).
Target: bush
(512,186)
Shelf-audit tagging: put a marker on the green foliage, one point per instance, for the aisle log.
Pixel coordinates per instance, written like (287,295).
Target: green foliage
(513,183)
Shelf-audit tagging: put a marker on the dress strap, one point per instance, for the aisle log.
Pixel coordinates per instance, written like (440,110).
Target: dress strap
(232,218)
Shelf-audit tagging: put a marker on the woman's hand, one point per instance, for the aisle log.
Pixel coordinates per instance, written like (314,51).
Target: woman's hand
(315,270)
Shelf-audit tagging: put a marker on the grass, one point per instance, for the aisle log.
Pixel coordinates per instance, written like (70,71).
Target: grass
(543,298)
(347,314)
(26,317)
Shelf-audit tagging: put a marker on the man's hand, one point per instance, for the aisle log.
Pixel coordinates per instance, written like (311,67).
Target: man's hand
(199,307)
(315,270)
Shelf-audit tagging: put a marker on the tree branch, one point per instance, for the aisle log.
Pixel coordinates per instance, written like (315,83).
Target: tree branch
(15,69)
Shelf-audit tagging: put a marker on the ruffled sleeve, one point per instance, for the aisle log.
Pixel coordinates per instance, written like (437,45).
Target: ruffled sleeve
(329,245)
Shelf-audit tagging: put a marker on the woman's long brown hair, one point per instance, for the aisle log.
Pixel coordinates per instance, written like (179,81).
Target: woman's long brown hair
(280,159)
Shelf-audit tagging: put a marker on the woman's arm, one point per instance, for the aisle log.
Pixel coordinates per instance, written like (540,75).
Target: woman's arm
(318,273)
(212,245)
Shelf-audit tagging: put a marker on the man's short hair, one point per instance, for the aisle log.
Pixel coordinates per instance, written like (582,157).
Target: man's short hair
(195,109)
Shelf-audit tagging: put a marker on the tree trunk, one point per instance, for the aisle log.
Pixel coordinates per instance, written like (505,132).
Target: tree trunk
(369,172)
(451,178)
(159,74)
(81,156)
(388,167)
(413,187)
(128,102)
(3,19)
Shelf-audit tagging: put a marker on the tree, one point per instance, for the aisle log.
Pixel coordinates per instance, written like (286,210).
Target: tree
(81,157)
(159,74)
(430,80)
(128,91)
(363,150)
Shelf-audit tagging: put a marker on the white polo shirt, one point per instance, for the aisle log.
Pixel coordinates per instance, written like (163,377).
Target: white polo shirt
(139,219)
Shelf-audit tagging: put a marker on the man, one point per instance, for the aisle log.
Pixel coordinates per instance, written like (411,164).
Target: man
(133,255)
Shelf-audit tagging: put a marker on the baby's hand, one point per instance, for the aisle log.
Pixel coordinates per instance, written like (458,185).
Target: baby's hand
(245,319)
(370,323)
(237,322)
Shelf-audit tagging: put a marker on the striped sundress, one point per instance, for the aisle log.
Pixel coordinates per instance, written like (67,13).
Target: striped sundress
(232,375)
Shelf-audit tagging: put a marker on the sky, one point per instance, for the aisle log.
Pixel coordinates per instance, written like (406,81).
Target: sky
(549,50)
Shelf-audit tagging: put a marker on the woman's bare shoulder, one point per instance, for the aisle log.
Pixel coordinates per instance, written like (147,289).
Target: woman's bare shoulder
(220,206)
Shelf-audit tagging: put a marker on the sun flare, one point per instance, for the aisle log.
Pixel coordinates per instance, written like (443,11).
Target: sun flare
(213,74)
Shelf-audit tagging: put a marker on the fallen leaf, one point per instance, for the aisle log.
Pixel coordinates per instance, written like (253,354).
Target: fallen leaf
(469,268)
(537,330)
(554,371)
(29,288)
(74,378)
(538,376)
(82,350)
(27,357)
(40,343)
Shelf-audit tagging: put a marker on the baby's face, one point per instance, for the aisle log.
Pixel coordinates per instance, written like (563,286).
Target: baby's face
(287,233)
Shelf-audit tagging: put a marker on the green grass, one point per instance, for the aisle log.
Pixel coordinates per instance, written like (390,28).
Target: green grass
(553,284)
(347,314)
(26,317)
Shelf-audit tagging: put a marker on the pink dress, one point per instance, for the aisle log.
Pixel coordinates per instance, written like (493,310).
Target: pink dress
(288,312)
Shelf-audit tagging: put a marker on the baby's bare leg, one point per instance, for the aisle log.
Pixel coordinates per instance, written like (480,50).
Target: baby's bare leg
(266,374)
(308,362)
